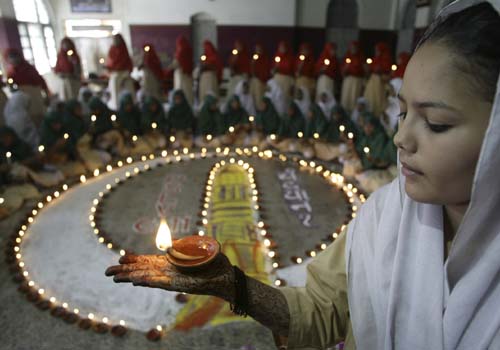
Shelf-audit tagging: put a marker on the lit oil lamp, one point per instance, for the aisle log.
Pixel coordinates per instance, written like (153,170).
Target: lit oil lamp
(189,253)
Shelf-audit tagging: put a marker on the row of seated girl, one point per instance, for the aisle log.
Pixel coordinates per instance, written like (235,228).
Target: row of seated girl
(79,137)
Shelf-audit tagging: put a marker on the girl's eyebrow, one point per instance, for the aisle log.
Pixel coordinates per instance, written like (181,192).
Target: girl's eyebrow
(430,104)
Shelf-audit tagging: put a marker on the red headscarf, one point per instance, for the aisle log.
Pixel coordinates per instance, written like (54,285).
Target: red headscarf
(118,57)
(213,60)
(330,69)
(352,63)
(285,64)
(67,58)
(23,73)
(305,67)
(240,62)
(261,65)
(403,59)
(152,61)
(382,62)
(184,55)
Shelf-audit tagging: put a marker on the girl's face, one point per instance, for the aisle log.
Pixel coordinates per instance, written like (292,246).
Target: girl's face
(153,107)
(178,99)
(235,104)
(441,130)
(368,129)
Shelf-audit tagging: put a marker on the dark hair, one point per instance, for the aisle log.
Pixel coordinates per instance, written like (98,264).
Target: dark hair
(473,34)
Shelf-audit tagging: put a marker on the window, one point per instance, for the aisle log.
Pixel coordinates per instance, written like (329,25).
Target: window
(37,36)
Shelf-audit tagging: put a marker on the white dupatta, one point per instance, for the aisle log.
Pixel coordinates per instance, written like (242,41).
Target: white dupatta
(401,295)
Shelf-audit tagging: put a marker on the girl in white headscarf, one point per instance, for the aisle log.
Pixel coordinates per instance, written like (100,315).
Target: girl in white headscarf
(242,90)
(303,99)
(390,116)
(277,96)
(419,266)
(326,101)
(18,118)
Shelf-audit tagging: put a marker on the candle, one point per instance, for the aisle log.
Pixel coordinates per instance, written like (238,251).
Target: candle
(342,128)
(8,155)
(255,57)
(203,57)
(277,59)
(348,60)
(366,150)
(190,252)
(235,52)
(70,53)
(147,48)
(394,67)
(369,61)
(326,62)
(101,60)
(302,57)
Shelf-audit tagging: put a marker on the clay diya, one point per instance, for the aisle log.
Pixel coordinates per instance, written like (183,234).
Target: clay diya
(190,253)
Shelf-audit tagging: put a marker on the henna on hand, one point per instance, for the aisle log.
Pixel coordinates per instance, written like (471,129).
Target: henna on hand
(266,304)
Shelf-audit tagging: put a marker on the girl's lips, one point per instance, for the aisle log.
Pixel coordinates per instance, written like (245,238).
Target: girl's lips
(409,171)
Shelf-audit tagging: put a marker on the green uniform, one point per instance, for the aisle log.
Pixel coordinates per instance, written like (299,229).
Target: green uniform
(103,122)
(129,115)
(210,121)
(268,119)
(152,114)
(292,123)
(317,123)
(235,116)
(180,116)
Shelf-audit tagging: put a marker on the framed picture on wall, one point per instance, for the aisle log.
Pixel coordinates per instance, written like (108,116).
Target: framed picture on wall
(86,6)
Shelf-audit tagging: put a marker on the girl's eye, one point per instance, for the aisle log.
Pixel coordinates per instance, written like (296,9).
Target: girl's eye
(438,128)
(402,115)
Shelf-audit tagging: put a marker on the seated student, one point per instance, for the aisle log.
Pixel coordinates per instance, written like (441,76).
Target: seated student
(154,123)
(339,130)
(236,122)
(21,164)
(17,117)
(315,128)
(246,99)
(290,131)
(326,102)
(371,150)
(180,120)
(418,267)
(105,136)
(129,120)
(84,96)
(267,118)
(77,126)
(302,99)
(390,116)
(210,125)
(58,149)
(361,107)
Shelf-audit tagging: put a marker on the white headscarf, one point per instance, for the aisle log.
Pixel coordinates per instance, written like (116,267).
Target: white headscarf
(17,117)
(246,99)
(327,106)
(305,103)
(401,296)
(355,113)
(277,97)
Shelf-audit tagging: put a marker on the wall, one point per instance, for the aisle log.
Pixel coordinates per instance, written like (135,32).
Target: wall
(312,13)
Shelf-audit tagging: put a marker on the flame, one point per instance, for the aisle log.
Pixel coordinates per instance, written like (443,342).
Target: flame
(163,236)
